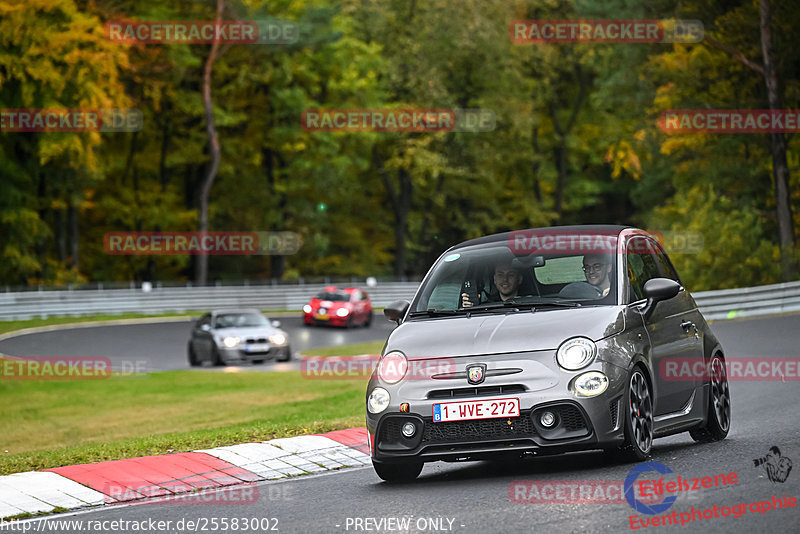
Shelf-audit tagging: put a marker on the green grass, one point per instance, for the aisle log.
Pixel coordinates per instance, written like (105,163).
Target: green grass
(369,347)
(53,423)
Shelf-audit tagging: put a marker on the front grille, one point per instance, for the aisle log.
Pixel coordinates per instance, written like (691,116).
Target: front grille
(479,430)
(571,417)
(255,340)
(390,430)
(476,391)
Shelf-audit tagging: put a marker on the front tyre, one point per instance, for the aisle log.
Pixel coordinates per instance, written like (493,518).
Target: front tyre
(718,420)
(638,419)
(286,356)
(398,472)
(193,361)
(216,358)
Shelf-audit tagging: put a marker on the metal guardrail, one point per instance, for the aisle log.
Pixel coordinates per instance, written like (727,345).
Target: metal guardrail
(749,301)
(30,304)
(722,304)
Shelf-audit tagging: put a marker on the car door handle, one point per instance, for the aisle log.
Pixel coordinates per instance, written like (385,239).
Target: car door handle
(686,325)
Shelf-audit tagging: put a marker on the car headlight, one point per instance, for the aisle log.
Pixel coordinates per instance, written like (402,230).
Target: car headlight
(278,339)
(378,400)
(342,312)
(230,341)
(393,367)
(590,384)
(576,353)
(307,308)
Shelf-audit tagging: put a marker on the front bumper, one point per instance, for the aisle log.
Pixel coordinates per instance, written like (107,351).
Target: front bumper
(239,354)
(334,320)
(581,423)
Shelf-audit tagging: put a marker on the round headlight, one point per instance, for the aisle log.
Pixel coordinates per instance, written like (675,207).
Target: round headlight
(230,341)
(342,312)
(591,384)
(378,400)
(576,353)
(278,339)
(393,367)
(307,308)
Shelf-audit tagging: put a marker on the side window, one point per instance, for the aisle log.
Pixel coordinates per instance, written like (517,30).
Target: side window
(642,266)
(364,295)
(204,320)
(667,270)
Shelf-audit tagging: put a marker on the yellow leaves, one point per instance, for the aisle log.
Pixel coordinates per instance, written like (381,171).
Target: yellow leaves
(622,157)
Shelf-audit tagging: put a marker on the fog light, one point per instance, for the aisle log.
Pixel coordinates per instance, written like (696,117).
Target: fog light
(409,429)
(547,419)
(590,384)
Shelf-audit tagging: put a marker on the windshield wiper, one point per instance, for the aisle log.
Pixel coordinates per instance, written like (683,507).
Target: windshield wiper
(563,304)
(430,312)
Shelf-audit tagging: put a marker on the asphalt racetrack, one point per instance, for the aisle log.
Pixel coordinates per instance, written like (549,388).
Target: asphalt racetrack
(479,497)
(162,346)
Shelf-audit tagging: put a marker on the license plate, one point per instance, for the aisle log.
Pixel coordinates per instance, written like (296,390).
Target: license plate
(479,409)
(322,316)
(257,347)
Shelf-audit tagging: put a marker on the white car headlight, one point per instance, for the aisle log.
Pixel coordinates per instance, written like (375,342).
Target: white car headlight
(378,400)
(576,353)
(590,384)
(230,341)
(307,308)
(342,312)
(278,339)
(393,367)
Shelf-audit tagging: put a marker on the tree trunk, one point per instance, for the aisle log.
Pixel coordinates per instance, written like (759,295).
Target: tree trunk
(401,205)
(777,141)
(214,151)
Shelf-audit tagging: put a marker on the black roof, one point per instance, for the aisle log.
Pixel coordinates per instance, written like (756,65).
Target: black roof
(588,228)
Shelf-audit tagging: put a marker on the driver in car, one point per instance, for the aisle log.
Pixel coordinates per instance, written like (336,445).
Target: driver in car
(597,270)
(506,279)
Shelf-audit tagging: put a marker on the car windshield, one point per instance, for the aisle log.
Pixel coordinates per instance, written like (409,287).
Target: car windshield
(334,297)
(491,276)
(236,320)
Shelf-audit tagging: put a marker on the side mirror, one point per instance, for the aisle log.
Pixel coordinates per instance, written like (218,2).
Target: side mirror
(396,310)
(205,327)
(276,323)
(658,289)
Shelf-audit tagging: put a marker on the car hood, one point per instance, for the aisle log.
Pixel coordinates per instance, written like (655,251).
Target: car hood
(486,333)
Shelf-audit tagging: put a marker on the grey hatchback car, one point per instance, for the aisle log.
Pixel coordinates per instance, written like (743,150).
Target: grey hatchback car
(227,336)
(545,341)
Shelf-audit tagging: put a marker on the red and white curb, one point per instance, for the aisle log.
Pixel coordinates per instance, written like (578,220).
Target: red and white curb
(85,485)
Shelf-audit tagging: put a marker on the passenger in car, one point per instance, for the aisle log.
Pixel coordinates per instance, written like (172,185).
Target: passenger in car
(597,270)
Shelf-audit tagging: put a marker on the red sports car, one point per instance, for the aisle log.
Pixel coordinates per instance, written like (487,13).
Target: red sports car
(339,307)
